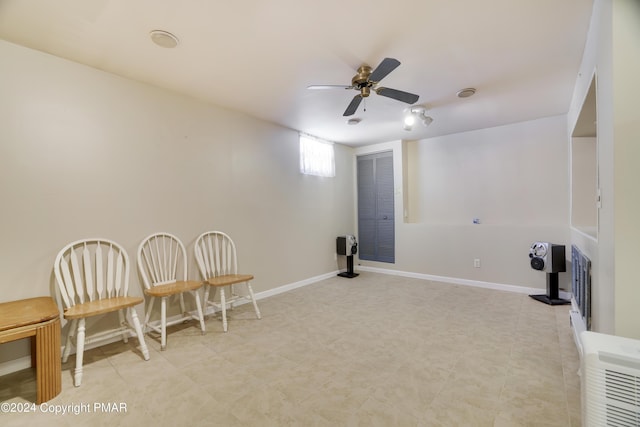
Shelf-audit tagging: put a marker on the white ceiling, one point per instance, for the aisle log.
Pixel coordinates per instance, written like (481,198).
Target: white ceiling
(259,56)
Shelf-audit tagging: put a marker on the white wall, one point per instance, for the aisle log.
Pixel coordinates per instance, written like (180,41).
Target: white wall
(84,154)
(611,52)
(513,178)
(584,182)
(626,128)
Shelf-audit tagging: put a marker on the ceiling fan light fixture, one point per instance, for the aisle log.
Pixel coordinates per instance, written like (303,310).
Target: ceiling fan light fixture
(427,120)
(409,120)
(354,121)
(414,114)
(466,93)
(164,39)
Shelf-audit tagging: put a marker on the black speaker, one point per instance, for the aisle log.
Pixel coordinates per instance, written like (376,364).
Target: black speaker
(547,257)
(346,245)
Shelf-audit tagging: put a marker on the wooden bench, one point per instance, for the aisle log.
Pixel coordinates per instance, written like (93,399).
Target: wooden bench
(39,319)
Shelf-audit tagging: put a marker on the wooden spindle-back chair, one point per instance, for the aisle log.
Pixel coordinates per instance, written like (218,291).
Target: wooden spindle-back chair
(162,263)
(217,260)
(93,279)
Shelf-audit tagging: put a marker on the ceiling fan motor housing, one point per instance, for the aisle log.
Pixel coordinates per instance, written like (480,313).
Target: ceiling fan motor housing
(366,79)
(362,82)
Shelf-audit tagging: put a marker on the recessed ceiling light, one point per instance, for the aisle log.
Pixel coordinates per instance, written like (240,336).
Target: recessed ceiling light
(465,93)
(164,38)
(353,121)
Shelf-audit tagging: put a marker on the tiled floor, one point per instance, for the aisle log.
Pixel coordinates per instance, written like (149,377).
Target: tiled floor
(376,350)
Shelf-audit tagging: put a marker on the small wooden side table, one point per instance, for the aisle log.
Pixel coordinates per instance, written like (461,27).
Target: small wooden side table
(39,319)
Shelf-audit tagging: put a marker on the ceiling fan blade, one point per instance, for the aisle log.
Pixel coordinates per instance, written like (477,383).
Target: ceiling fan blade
(386,66)
(409,98)
(314,87)
(353,106)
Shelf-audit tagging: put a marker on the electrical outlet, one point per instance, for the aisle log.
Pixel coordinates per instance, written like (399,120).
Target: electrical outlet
(476,263)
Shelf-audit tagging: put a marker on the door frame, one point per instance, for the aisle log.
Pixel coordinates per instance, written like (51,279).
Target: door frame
(398,199)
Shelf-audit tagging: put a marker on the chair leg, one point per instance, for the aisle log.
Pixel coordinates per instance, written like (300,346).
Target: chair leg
(125,334)
(138,328)
(182,307)
(205,300)
(67,346)
(77,376)
(199,308)
(163,323)
(253,300)
(148,315)
(223,305)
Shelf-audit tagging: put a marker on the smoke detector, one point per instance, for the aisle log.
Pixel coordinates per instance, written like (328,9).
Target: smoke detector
(466,93)
(164,39)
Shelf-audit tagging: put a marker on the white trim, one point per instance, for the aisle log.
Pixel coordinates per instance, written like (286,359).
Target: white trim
(21,363)
(279,290)
(294,285)
(578,326)
(585,234)
(459,281)
(15,365)
(25,362)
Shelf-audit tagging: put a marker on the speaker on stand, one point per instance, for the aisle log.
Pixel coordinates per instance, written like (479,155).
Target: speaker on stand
(549,258)
(347,245)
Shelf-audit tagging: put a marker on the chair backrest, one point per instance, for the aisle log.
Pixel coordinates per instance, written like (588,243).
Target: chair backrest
(162,259)
(215,254)
(91,269)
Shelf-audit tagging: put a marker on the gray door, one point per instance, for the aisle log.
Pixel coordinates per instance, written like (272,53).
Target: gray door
(376,229)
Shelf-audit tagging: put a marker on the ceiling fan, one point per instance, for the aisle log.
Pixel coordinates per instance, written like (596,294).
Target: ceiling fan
(368,79)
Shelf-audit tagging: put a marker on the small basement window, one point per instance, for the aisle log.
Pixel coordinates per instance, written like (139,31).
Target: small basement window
(317,157)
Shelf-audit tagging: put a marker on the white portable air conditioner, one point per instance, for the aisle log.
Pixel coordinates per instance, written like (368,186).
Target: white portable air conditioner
(610,371)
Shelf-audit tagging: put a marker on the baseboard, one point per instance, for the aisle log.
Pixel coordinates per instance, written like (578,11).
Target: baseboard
(459,281)
(25,362)
(295,285)
(15,365)
(21,363)
(578,326)
(279,290)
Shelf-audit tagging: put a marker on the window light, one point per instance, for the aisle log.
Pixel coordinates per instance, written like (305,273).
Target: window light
(316,157)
